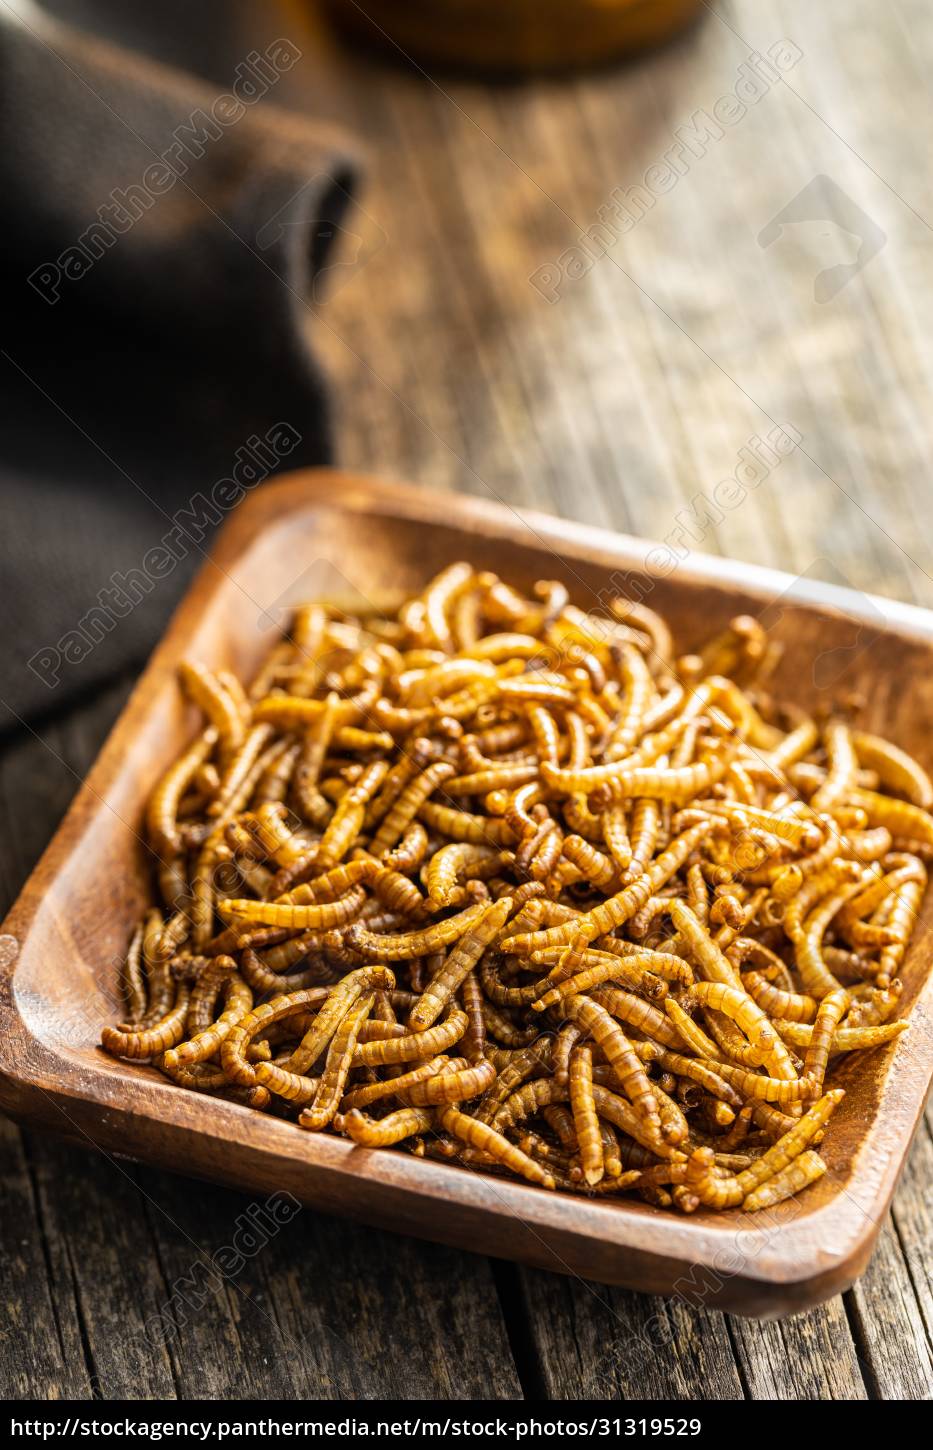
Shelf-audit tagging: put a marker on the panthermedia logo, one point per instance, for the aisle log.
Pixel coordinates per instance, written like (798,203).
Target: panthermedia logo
(837,231)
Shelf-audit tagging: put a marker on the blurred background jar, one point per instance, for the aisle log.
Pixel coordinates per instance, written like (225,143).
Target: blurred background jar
(514,35)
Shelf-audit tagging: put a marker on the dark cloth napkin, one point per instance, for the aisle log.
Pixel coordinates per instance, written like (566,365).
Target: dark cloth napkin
(153,335)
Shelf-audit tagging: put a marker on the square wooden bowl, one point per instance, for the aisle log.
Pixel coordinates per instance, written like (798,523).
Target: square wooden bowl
(329,534)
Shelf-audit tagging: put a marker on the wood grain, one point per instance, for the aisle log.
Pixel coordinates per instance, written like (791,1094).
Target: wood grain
(40,1340)
(451,370)
(604,1343)
(809,1357)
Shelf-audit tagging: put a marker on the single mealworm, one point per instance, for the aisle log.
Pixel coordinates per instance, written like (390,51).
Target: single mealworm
(419,943)
(842,766)
(416,1046)
(451,864)
(409,803)
(636,1012)
(347,820)
(373,1092)
(628,1069)
(844,1039)
(715,966)
(463,826)
(463,957)
(601,967)
(133,978)
(585,1117)
(786,1183)
(209,694)
(162,807)
(894,767)
(336,1068)
(832,1009)
(453,1086)
(150,1041)
(488,1140)
(473,1044)
(390,1129)
(778,1002)
(318,917)
(411,850)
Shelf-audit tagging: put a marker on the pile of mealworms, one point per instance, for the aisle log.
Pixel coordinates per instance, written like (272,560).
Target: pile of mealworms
(513,884)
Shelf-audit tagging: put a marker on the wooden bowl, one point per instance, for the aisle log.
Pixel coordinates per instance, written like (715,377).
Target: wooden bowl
(518,36)
(328,533)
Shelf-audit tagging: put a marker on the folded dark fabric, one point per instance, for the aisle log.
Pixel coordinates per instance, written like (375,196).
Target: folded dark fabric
(158,247)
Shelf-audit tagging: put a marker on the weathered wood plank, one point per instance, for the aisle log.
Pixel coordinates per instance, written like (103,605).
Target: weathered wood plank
(40,1338)
(308,1310)
(890,1308)
(95,1221)
(912,1217)
(593,1341)
(807,1357)
(888,1325)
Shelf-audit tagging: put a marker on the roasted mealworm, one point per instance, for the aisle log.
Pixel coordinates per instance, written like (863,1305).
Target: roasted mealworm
(585,1117)
(453,1086)
(449,866)
(209,694)
(844,1039)
(480,1135)
(162,807)
(336,1068)
(832,1009)
(894,767)
(317,917)
(786,1183)
(460,825)
(133,974)
(418,943)
(390,1129)
(409,803)
(361,1097)
(150,1041)
(790,1006)
(461,960)
(413,1047)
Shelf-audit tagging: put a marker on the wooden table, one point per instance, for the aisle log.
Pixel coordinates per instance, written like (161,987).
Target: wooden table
(619,389)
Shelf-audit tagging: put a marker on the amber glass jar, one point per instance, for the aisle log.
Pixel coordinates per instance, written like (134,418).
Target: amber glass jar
(514,35)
